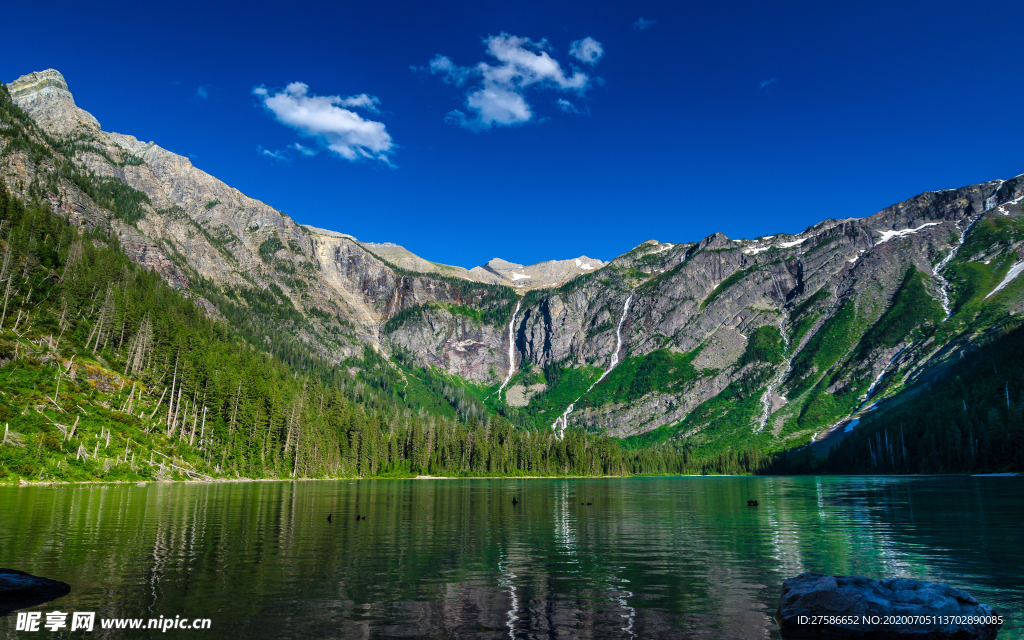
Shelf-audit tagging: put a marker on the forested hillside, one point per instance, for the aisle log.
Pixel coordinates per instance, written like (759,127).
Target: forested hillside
(107,372)
(228,338)
(966,420)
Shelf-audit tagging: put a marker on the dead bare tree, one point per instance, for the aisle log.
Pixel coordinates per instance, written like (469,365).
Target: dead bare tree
(74,255)
(106,315)
(138,350)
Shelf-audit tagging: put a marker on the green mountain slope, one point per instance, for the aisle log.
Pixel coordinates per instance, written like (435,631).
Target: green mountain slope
(966,419)
(109,373)
(714,354)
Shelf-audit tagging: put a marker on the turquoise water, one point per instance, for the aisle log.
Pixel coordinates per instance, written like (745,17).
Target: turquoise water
(649,557)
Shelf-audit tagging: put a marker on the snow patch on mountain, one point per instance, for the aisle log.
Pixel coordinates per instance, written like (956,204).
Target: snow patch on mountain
(1011,275)
(889,235)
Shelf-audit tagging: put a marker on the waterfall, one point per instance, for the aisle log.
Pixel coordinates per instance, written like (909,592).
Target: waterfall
(618,332)
(562,421)
(937,270)
(511,348)
(990,202)
(766,399)
(618,344)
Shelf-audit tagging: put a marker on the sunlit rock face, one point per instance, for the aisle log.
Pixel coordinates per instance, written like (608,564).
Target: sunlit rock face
(693,330)
(45,95)
(542,275)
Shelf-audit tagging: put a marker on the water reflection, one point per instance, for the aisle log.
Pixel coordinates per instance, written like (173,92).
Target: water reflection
(680,557)
(507,581)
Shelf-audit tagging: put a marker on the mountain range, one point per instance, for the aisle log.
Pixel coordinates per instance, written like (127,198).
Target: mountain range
(715,343)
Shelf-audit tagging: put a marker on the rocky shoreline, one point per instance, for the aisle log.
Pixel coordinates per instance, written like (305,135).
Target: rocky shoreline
(20,590)
(814,606)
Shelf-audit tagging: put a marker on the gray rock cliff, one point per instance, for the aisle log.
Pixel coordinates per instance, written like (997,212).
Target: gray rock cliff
(769,340)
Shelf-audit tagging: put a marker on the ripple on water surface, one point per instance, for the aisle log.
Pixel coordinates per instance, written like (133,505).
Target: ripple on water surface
(601,558)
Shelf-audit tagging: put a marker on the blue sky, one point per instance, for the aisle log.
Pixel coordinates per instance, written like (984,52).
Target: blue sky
(584,131)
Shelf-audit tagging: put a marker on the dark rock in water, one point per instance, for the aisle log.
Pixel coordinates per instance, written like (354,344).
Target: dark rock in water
(19,590)
(824,607)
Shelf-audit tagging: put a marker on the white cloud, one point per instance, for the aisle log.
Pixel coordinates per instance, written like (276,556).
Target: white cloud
(323,117)
(765,83)
(498,94)
(498,104)
(586,50)
(643,23)
(276,155)
(566,106)
(361,101)
(455,117)
(201,94)
(450,73)
(306,151)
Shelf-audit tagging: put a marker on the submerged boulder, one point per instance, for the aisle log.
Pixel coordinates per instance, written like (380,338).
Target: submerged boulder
(822,607)
(19,590)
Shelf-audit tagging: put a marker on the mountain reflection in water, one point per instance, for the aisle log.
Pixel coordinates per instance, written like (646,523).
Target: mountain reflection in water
(676,557)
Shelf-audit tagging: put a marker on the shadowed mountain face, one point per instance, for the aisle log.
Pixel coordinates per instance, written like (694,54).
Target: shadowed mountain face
(719,342)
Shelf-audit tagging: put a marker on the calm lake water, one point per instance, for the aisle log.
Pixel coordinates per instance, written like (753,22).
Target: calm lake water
(648,558)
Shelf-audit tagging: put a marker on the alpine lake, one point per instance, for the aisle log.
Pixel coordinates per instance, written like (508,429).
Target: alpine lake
(501,558)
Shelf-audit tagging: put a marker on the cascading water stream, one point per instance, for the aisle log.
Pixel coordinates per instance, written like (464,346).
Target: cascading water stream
(766,399)
(511,348)
(990,203)
(618,344)
(562,421)
(937,272)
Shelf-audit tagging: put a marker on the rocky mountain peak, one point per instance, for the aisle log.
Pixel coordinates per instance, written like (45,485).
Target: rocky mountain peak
(328,233)
(497,264)
(38,80)
(717,241)
(550,273)
(46,97)
(797,330)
